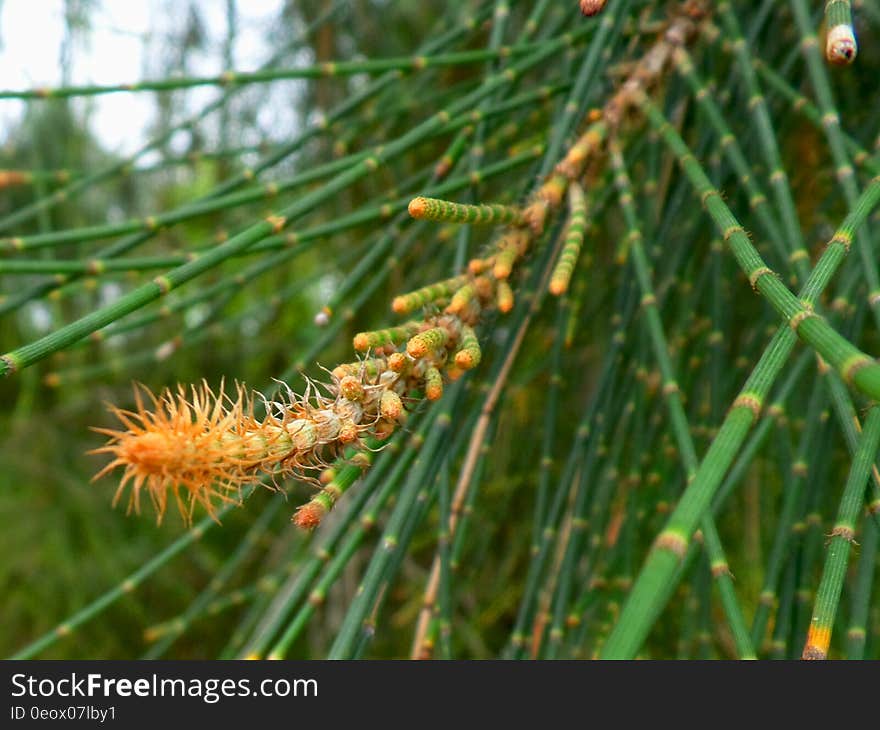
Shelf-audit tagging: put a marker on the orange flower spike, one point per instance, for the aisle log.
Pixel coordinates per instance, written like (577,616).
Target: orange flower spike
(351,388)
(469,354)
(426,342)
(433,384)
(363,341)
(484,288)
(406,303)
(461,299)
(390,405)
(478,266)
(574,238)
(199,446)
(504,296)
(582,150)
(399,363)
(511,246)
(504,263)
(453,372)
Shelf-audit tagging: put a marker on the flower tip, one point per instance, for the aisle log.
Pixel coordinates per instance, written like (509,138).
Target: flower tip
(465,360)
(309,516)
(558,288)
(361,342)
(417,207)
(592,7)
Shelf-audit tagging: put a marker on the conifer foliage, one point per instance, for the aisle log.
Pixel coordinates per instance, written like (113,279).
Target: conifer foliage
(536,328)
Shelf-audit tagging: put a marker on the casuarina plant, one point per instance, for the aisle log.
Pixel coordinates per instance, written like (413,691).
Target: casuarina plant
(534,330)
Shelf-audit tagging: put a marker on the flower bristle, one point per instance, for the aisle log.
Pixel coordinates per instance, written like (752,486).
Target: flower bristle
(183,444)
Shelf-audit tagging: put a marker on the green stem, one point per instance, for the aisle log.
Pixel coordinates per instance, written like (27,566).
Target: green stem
(842,537)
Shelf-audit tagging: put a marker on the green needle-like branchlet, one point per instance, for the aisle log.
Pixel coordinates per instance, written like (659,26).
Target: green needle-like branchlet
(77,187)
(855,367)
(327,69)
(803,105)
(672,394)
(857,633)
(126,586)
(651,589)
(842,538)
(764,126)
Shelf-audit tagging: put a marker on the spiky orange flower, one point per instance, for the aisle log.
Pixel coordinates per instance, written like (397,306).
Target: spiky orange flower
(198,444)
